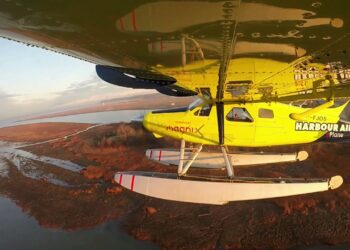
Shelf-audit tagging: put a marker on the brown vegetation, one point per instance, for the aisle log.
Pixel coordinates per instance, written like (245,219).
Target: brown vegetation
(265,224)
(114,190)
(92,172)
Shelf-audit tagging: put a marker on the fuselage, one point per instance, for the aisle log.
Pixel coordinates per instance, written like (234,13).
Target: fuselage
(249,124)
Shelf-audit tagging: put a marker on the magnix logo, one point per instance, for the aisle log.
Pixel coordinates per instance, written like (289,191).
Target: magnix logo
(183,129)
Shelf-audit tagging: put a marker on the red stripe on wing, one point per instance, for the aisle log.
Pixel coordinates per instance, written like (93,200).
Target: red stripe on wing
(120,179)
(133,15)
(132,183)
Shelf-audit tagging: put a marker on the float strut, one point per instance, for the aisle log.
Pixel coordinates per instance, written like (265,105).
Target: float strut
(189,163)
(182,156)
(228,162)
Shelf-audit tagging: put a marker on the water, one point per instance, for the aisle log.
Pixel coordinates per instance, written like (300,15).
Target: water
(30,165)
(20,232)
(97,118)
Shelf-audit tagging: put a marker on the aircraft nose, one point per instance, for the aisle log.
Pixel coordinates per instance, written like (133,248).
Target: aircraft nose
(146,121)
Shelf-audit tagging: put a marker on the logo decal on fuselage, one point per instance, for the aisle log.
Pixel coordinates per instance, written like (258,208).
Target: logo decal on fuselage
(315,126)
(182,129)
(335,135)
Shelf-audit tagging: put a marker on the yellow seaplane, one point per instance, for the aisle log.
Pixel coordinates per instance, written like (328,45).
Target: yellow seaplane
(266,73)
(247,119)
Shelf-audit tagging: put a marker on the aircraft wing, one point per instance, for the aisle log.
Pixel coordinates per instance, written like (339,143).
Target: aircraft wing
(225,50)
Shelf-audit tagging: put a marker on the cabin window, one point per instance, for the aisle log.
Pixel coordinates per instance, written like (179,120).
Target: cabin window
(204,111)
(239,115)
(266,113)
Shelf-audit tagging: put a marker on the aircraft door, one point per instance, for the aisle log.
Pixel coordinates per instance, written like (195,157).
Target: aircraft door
(239,126)
(203,122)
(269,127)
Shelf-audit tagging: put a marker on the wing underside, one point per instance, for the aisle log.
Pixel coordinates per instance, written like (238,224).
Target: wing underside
(225,50)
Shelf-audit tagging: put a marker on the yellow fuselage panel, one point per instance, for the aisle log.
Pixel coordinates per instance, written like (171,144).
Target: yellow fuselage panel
(271,129)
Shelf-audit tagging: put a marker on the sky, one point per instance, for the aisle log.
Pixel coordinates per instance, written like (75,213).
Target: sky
(36,81)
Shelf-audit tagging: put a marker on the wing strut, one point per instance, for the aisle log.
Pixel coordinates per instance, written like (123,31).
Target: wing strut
(221,125)
(228,40)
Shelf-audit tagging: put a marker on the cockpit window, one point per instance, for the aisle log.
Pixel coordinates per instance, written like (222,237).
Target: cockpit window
(239,115)
(204,111)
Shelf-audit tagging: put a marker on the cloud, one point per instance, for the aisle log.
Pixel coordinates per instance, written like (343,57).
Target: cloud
(90,92)
(6,96)
(77,95)
(7,106)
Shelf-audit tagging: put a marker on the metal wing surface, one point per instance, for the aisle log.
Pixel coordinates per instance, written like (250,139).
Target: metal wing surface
(225,50)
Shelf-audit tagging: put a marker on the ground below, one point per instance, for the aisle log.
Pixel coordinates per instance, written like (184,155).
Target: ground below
(91,197)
